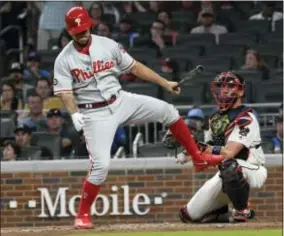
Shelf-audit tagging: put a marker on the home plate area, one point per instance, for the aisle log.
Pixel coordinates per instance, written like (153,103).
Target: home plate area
(120,228)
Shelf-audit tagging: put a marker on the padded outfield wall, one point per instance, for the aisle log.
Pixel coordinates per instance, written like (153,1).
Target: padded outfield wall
(43,193)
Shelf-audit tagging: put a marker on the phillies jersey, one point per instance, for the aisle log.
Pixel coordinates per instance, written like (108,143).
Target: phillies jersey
(94,77)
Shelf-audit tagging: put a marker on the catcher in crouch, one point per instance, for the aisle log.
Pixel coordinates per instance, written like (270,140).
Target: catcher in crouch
(235,134)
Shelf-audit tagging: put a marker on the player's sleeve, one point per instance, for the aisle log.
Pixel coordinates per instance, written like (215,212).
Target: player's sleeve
(246,131)
(123,59)
(62,82)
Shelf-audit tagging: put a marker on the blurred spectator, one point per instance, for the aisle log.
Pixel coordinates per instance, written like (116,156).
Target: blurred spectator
(11,151)
(104,29)
(9,101)
(277,141)
(64,39)
(16,77)
(55,124)
(206,18)
(10,14)
(170,65)
(96,12)
(51,21)
(119,140)
(158,39)
(35,108)
(33,67)
(156,6)
(166,18)
(131,7)
(268,13)
(110,9)
(23,134)
(126,27)
(195,118)
(43,88)
(254,61)
(206,5)
(190,6)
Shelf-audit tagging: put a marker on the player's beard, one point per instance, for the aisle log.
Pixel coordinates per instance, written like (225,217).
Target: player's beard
(83,41)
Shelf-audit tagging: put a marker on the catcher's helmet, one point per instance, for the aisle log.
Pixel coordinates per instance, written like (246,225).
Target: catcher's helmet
(225,89)
(77,20)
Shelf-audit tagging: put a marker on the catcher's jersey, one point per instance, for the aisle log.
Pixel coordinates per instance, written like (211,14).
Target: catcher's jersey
(241,126)
(93,78)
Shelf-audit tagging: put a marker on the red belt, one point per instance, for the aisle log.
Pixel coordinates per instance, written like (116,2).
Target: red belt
(98,104)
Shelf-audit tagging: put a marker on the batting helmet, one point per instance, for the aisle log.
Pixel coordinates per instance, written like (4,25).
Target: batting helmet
(77,20)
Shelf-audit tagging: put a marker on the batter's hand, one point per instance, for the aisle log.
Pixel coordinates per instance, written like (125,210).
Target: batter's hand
(78,120)
(172,87)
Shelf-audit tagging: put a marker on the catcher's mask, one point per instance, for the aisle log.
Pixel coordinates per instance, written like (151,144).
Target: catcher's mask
(226,88)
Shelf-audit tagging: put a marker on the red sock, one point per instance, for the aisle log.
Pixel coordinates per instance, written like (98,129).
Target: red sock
(89,194)
(182,134)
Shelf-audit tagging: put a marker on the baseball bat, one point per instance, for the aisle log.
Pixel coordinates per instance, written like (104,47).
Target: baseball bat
(191,75)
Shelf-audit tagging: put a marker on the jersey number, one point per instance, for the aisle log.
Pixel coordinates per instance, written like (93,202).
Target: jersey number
(78,21)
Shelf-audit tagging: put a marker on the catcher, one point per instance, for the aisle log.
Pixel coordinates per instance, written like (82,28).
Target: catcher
(235,134)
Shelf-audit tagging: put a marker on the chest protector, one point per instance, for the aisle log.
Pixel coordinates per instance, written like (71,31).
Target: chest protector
(222,125)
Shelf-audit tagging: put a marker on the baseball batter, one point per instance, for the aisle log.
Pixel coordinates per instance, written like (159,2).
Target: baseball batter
(85,78)
(235,134)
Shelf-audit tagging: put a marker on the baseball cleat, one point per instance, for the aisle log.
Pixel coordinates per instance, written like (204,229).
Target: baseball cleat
(241,215)
(83,222)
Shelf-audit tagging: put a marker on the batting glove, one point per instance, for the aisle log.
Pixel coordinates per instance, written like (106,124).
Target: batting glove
(78,120)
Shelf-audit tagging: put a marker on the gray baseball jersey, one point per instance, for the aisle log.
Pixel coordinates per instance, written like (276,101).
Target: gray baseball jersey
(93,77)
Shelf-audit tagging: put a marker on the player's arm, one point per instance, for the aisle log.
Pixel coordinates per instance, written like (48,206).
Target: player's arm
(242,136)
(145,73)
(128,64)
(68,101)
(62,86)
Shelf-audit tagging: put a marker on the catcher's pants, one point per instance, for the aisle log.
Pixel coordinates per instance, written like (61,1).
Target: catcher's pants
(129,108)
(210,196)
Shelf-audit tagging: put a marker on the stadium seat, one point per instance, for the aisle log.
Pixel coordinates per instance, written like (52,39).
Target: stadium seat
(268,92)
(7,127)
(254,26)
(184,16)
(137,16)
(142,41)
(182,50)
(268,49)
(224,50)
(279,27)
(155,150)
(237,39)
(191,94)
(272,38)
(123,40)
(30,153)
(213,64)
(196,39)
(142,88)
(48,140)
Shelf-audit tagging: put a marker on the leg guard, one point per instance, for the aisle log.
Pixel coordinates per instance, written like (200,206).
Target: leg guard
(234,183)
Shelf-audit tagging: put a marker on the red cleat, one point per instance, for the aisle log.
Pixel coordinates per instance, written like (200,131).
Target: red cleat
(83,222)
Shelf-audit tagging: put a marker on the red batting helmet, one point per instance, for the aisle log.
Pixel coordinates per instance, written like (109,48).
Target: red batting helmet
(77,20)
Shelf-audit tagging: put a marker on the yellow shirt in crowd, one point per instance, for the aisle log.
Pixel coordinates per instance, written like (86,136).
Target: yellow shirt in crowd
(49,103)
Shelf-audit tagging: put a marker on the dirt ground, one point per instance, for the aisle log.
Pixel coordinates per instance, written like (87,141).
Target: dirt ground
(68,230)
